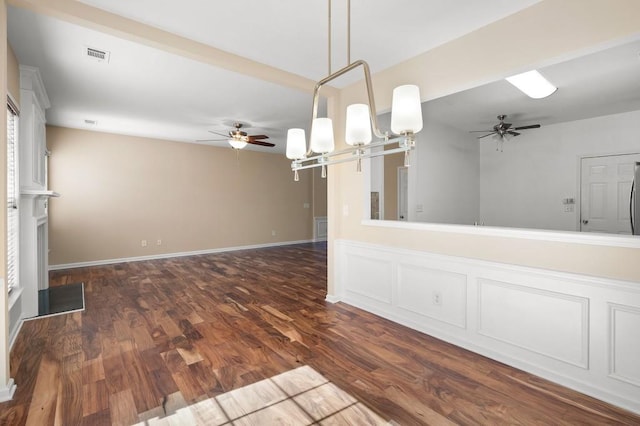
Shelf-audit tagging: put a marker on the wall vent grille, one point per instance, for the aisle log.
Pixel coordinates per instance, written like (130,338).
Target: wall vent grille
(97,54)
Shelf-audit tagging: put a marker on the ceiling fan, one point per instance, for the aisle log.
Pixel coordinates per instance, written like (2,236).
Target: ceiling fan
(238,139)
(504,130)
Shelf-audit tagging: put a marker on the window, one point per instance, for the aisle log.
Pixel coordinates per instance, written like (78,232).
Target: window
(12,196)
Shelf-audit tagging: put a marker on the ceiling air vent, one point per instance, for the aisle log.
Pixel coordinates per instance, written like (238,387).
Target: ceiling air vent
(90,122)
(97,54)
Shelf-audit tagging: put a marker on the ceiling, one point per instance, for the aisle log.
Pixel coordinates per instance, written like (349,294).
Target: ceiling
(149,92)
(596,84)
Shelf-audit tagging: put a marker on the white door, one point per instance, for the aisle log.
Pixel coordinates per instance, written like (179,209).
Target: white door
(403,194)
(604,193)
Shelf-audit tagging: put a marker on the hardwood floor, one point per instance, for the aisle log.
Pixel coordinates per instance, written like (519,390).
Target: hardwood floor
(247,338)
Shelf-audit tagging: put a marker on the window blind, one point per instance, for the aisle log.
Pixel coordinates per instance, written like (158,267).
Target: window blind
(12,198)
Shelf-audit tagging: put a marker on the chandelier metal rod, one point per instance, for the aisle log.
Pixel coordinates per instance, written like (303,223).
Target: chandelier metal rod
(372,102)
(329,36)
(345,160)
(348,32)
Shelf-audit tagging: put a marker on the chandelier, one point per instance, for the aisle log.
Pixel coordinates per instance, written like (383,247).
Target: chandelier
(406,121)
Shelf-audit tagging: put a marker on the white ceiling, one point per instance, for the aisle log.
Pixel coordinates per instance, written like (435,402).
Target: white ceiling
(600,83)
(148,92)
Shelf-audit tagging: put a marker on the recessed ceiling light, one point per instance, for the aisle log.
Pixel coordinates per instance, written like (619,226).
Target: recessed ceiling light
(533,84)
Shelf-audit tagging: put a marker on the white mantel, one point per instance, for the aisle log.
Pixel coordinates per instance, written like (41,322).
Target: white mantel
(34,194)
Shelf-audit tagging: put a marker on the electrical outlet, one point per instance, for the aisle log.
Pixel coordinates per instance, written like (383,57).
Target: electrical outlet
(159,242)
(437,298)
(143,243)
(273,233)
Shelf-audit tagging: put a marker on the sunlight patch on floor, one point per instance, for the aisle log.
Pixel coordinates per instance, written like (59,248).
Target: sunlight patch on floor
(297,397)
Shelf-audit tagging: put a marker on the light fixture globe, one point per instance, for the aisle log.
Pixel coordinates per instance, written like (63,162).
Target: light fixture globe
(296,144)
(406,110)
(321,140)
(358,125)
(237,144)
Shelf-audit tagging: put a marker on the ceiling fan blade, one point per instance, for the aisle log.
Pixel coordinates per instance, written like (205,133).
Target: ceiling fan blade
(505,126)
(492,133)
(258,137)
(261,143)
(533,126)
(219,134)
(511,132)
(480,131)
(210,140)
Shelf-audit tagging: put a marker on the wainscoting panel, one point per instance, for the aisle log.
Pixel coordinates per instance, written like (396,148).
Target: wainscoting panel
(545,322)
(370,278)
(625,353)
(433,293)
(578,331)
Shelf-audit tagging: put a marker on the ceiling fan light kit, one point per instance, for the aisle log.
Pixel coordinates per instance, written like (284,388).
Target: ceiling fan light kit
(237,144)
(239,139)
(361,119)
(503,131)
(532,84)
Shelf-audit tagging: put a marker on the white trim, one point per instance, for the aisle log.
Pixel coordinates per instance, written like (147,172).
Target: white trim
(6,392)
(595,239)
(14,336)
(15,294)
(31,79)
(332,298)
(170,255)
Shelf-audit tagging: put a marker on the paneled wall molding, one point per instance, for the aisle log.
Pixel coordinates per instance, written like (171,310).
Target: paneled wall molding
(320,228)
(576,330)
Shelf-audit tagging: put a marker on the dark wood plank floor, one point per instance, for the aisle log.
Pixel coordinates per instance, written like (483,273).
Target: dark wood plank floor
(179,338)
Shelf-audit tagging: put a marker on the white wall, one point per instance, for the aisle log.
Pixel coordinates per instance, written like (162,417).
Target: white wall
(444,175)
(524,185)
(447,176)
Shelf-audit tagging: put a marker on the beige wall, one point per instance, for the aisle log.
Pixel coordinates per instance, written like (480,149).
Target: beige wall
(118,190)
(391,164)
(319,193)
(13,75)
(546,32)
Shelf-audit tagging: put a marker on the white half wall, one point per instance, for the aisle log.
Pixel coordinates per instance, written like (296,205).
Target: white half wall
(578,331)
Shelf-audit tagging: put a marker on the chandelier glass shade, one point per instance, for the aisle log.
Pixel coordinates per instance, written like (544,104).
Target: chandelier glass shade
(358,127)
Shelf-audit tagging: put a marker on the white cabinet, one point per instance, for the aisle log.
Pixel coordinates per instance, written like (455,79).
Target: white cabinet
(34,194)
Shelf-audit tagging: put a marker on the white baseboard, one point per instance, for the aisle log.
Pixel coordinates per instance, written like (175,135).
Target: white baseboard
(14,335)
(170,255)
(332,298)
(6,392)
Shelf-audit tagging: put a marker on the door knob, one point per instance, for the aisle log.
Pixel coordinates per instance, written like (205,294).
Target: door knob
(585,221)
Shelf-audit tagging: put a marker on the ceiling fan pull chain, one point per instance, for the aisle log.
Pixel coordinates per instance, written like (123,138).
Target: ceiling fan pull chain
(296,178)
